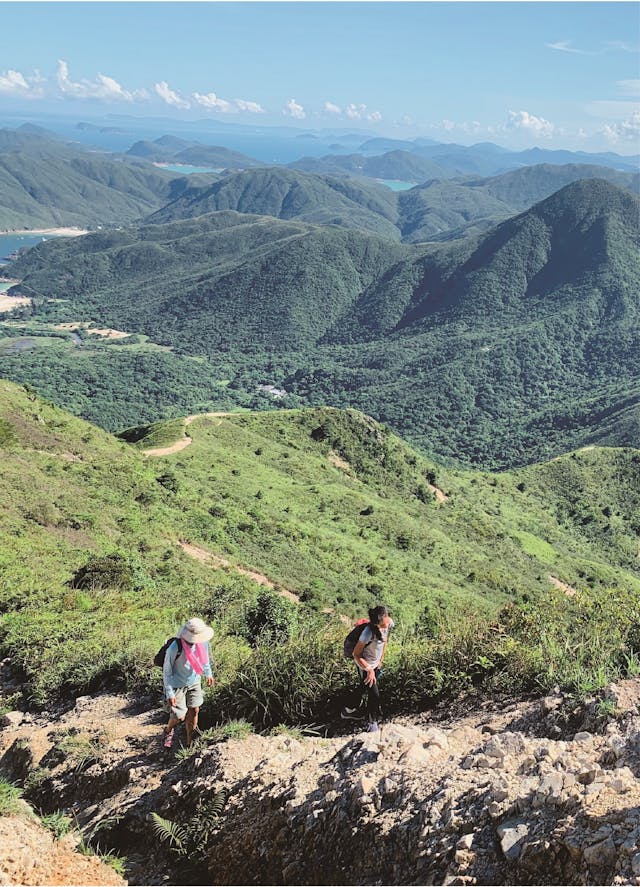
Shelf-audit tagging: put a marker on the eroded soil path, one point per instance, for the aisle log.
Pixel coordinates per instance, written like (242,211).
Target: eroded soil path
(184,442)
(569,590)
(214,560)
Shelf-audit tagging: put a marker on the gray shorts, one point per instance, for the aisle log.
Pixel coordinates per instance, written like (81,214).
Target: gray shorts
(186,697)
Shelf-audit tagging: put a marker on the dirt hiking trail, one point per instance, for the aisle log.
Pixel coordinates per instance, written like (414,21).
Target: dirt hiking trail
(214,560)
(184,442)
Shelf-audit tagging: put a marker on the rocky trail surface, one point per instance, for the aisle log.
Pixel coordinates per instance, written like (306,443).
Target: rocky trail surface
(31,856)
(536,791)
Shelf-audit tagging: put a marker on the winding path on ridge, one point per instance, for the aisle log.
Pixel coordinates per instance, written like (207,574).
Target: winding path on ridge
(215,561)
(186,440)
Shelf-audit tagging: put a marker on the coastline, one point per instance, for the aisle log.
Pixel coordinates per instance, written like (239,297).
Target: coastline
(60,232)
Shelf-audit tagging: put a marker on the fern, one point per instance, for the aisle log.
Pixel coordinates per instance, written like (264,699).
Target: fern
(185,840)
(202,824)
(174,834)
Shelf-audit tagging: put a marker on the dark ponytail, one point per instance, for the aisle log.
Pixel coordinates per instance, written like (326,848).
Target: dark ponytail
(375,615)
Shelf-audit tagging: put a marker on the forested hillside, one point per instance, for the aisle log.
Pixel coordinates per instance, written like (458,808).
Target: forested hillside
(400,165)
(440,209)
(416,161)
(168,149)
(285,194)
(499,351)
(46,182)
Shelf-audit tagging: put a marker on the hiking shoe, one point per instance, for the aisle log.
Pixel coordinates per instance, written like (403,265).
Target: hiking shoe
(168,739)
(350,714)
(372,727)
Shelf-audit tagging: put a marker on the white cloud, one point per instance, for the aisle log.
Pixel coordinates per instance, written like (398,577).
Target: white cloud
(352,112)
(293,109)
(626,131)
(14,83)
(103,87)
(523,120)
(213,102)
(629,87)
(170,97)
(472,127)
(609,46)
(251,107)
(565,46)
(360,112)
(209,100)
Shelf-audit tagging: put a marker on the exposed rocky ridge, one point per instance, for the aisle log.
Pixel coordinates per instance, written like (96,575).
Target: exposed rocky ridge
(541,791)
(31,856)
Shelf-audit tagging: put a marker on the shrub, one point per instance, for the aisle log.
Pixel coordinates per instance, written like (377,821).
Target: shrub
(7,434)
(111,571)
(272,619)
(290,683)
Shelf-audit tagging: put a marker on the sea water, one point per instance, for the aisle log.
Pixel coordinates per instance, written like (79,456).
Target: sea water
(9,243)
(396,184)
(186,169)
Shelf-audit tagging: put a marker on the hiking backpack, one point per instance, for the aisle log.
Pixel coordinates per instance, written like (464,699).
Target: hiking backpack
(353,637)
(158,659)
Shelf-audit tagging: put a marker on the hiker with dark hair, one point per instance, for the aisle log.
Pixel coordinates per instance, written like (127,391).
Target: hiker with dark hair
(185,660)
(368,655)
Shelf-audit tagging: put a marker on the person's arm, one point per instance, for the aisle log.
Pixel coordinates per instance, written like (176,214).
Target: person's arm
(207,668)
(386,641)
(370,675)
(167,671)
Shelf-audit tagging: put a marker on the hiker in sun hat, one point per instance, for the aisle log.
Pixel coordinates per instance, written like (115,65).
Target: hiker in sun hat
(185,661)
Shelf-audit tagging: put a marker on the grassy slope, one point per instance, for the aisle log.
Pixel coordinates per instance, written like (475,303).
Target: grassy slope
(262,491)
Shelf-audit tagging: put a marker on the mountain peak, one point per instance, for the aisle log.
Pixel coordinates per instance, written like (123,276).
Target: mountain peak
(587,199)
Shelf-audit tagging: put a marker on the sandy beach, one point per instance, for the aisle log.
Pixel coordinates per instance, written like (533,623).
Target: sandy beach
(59,232)
(8,303)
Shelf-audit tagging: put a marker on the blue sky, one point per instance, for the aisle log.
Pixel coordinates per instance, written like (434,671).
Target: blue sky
(519,74)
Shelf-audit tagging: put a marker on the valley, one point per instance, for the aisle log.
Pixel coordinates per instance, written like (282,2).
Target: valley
(424,337)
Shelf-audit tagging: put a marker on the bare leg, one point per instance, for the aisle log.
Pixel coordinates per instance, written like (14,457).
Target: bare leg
(191,723)
(172,723)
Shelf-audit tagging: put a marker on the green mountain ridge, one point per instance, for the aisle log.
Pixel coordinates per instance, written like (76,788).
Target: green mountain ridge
(438,210)
(72,188)
(398,164)
(327,504)
(288,195)
(168,149)
(500,350)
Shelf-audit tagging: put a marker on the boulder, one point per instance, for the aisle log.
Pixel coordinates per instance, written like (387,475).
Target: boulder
(12,719)
(512,832)
(600,855)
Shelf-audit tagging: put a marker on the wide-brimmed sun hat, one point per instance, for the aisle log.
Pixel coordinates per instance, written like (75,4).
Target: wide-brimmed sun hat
(195,631)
